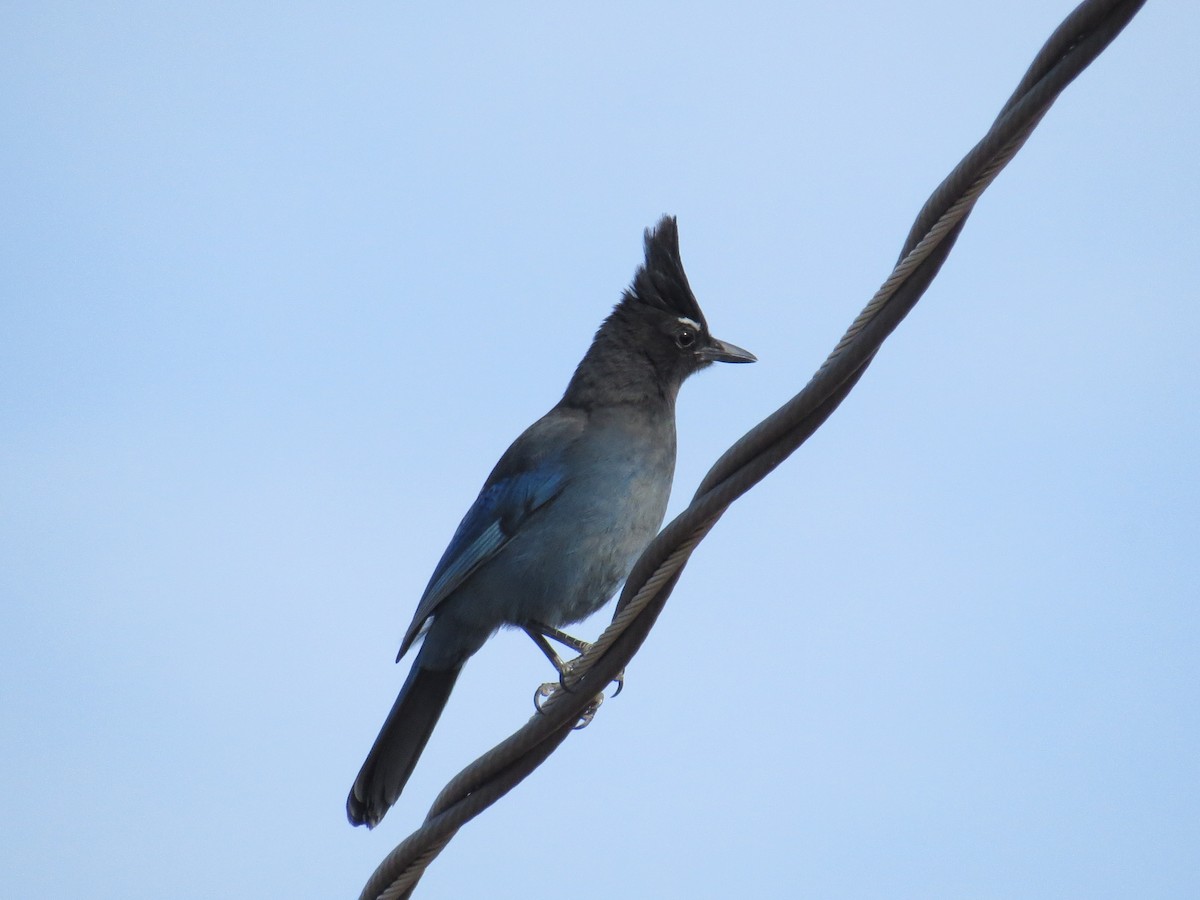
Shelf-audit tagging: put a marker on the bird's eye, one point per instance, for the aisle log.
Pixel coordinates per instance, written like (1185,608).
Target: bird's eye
(685,338)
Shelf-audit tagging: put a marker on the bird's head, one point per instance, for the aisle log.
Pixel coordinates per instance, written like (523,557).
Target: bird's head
(656,336)
(673,325)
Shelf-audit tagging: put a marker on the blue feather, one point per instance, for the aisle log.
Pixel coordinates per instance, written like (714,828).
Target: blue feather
(493,519)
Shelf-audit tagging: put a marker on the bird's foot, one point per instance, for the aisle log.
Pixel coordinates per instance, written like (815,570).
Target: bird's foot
(543,693)
(539,634)
(589,712)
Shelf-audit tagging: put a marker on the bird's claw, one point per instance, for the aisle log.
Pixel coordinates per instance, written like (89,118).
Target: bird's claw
(544,691)
(589,712)
(542,694)
(539,634)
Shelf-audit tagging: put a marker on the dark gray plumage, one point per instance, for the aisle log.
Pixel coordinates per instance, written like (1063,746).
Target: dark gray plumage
(565,512)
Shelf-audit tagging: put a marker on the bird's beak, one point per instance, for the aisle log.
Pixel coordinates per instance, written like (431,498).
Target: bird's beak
(719,351)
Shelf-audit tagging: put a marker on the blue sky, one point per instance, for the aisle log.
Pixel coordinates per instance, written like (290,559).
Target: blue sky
(278,283)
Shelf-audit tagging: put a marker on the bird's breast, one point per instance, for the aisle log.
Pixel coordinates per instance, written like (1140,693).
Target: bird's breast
(571,556)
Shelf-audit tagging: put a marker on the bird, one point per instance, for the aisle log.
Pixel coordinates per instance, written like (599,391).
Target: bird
(563,515)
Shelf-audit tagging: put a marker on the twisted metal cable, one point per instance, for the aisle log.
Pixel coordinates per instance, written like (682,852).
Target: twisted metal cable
(1080,38)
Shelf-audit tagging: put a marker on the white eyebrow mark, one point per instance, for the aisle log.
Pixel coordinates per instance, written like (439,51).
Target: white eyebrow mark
(692,323)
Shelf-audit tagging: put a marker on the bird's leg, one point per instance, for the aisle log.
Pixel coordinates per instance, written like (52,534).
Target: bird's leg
(542,694)
(579,645)
(544,645)
(539,633)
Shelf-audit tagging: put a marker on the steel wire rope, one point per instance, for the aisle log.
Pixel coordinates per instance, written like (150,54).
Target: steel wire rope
(1077,41)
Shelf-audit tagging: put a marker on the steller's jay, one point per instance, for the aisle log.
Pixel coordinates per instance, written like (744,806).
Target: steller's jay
(565,513)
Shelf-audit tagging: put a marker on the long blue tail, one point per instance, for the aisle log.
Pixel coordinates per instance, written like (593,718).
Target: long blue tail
(403,737)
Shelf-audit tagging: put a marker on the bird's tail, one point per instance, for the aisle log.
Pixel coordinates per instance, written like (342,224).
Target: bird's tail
(401,740)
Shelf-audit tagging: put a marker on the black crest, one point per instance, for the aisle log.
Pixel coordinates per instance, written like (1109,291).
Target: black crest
(660,281)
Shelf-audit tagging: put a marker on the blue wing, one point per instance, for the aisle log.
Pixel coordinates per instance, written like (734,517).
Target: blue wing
(521,484)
